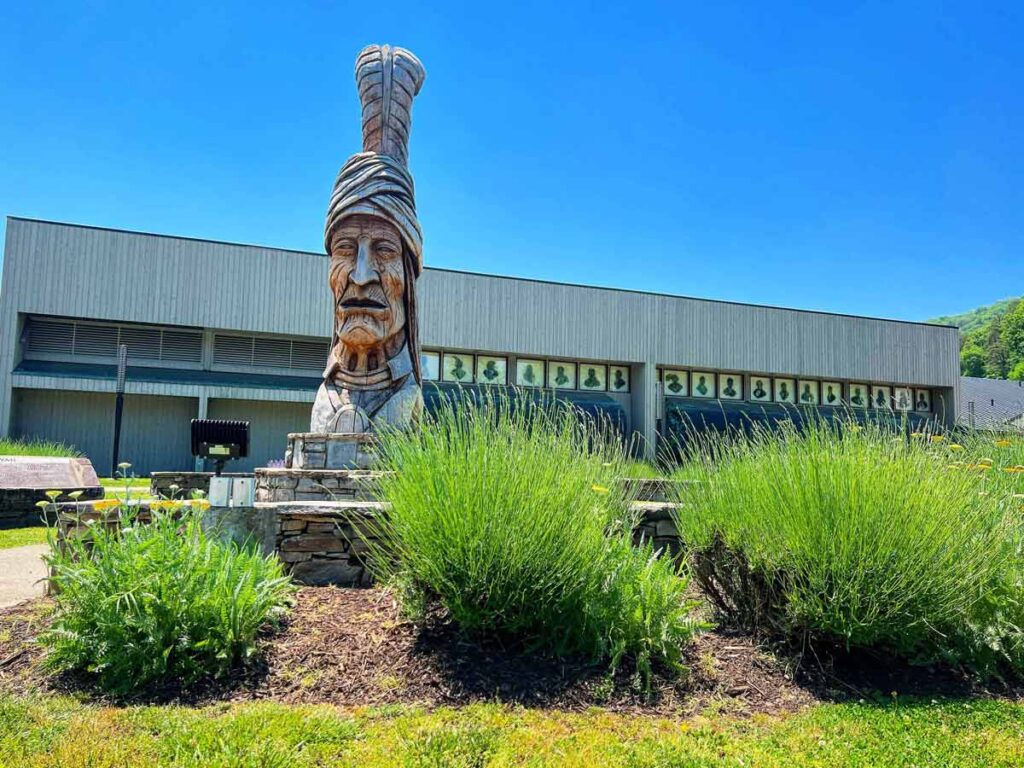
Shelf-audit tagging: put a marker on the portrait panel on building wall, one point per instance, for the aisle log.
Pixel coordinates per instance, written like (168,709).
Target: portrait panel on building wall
(922,400)
(430,366)
(676,383)
(457,367)
(807,392)
(593,378)
(759,388)
(857,395)
(785,391)
(730,386)
(903,398)
(881,397)
(702,384)
(529,372)
(491,370)
(831,393)
(618,378)
(561,375)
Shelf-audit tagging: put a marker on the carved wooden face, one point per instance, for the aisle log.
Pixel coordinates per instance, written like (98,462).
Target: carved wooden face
(368,281)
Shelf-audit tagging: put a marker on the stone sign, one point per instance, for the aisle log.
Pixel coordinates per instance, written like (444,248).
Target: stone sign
(375,246)
(24,481)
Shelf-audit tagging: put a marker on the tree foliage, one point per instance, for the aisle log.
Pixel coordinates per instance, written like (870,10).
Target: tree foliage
(992,340)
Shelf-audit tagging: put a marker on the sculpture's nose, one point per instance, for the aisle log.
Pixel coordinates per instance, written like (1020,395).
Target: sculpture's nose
(366,270)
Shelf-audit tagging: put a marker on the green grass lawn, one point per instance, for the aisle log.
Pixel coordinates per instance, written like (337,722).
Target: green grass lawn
(59,731)
(20,537)
(116,487)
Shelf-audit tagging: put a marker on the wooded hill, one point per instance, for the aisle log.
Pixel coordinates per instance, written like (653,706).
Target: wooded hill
(991,339)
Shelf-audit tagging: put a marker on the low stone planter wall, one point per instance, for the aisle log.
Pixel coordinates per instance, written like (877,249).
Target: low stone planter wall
(18,505)
(657,525)
(321,543)
(280,484)
(160,482)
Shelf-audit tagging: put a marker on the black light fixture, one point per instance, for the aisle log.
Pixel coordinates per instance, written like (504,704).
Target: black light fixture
(220,440)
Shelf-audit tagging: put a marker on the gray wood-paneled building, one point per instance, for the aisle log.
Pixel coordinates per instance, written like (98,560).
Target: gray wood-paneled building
(223,330)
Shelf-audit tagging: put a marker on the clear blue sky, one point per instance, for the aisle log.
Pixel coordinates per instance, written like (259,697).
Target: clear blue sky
(861,158)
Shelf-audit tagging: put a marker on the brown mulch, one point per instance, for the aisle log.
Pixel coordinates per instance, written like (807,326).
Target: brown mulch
(352,647)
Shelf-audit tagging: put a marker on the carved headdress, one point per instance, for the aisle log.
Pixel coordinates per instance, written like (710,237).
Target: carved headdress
(376,181)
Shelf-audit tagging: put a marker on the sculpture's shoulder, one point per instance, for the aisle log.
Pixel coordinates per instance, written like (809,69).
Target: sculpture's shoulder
(339,410)
(403,407)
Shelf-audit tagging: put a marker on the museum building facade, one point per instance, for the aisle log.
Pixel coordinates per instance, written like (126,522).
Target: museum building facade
(222,330)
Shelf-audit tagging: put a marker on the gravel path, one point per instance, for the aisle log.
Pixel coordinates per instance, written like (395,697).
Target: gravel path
(21,574)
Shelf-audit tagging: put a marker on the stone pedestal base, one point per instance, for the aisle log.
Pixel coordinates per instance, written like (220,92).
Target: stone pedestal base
(319,450)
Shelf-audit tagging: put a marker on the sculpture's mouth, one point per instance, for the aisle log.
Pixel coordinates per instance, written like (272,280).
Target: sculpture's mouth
(363,303)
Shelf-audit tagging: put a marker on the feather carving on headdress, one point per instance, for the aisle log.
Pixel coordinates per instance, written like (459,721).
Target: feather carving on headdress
(388,79)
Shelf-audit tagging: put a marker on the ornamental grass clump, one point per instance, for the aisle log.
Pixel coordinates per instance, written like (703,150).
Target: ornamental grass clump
(859,536)
(511,516)
(158,603)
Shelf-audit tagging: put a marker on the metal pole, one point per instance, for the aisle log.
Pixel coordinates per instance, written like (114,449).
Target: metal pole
(122,365)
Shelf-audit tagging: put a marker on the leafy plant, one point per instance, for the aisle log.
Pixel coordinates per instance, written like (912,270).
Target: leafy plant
(511,516)
(856,535)
(156,603)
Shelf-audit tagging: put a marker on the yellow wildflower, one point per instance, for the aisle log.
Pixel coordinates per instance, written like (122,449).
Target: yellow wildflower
(917,434)
(986,461)
(937,438)
(599,489)
(955,447)
(1003,443)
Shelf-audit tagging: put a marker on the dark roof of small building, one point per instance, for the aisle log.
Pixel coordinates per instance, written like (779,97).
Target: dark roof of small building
(990,403)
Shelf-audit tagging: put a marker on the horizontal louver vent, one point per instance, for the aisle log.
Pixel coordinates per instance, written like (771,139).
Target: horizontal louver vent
(232,350)
(76,339)
(180,346)
(266,352)
(50,337)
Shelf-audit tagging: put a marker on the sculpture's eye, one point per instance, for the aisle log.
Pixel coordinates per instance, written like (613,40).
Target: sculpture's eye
(344,247)
(386,249)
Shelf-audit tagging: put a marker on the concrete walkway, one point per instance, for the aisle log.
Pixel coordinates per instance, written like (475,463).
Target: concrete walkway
(22,571)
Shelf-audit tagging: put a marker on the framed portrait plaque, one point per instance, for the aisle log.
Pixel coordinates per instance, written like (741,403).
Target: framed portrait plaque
(730,386)
(529,372)
(857,395)
(593,377)
(903,398)
(676,383)
(561,375)
(784,391)
(618,378)
(881,398)
(759,388)
(491,370)
(807,392)
(831,393)
(430,366)
(702,384)
(922,400)
(457,368)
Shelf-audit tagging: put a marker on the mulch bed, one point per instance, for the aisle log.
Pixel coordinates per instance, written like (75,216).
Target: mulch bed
(352,647)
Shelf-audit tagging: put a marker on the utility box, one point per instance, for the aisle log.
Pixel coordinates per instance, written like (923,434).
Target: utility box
(232,491)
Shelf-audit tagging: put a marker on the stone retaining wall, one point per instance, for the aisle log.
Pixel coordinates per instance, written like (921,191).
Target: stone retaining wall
(18,505)
(160,482)
(321,542)
(315,485)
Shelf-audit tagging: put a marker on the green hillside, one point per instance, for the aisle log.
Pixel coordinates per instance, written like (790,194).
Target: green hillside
(978,318)
(991,339)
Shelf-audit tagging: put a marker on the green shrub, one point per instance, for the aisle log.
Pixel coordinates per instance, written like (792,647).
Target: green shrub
(513,519)
(159,603)
(855,535)
(14,447)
